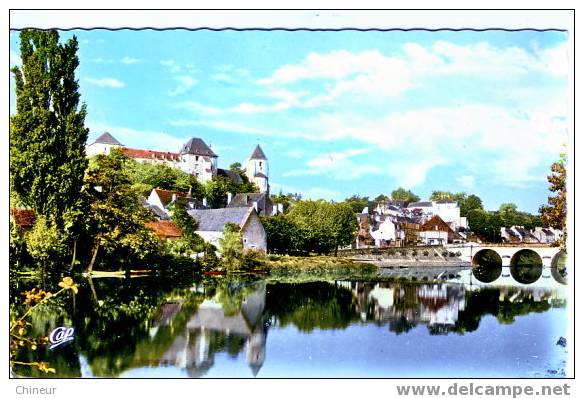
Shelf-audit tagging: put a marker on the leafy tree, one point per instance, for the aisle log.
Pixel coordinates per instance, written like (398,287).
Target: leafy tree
(47,133)
(554,213)
(405,195)
(190,242)
(145,176)
(441,195)
(381,198)
(231,246)
(216,190)
(485,224)
(358,203)
(286,200)
(44,242)
(323,226)
(283,236)
(116,220)
(235,167)
(469,203)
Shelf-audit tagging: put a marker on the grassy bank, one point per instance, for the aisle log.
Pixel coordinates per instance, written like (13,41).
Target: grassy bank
(313,268)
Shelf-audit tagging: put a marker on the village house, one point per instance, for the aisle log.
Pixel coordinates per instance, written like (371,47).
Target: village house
(437,232)
(195,157)
(447,210)
(520,234)
(546,235)
(211,223)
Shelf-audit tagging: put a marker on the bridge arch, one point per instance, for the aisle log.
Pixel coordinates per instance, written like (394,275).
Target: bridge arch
(559,270)
(526,266)
(487,265)
(487,257)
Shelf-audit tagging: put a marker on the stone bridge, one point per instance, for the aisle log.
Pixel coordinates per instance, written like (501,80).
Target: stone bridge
(509,254)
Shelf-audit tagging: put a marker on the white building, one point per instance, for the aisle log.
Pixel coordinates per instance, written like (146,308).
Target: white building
(447,210)
(385,233)
(102,145)
(257,169)
(198,159)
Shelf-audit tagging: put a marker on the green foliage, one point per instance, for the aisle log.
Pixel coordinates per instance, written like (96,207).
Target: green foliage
(358,203)
(216,190)
(45,243)
(283,236)
(511,216)
(555,212)
(231,247)
(464,201)
(405,195)
(286,200)
(47,133)
(115,219)
(190,242)
(485,224)
(145,176)
(323,226)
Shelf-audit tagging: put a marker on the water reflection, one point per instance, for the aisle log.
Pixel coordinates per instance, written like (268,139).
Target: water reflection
(221,327)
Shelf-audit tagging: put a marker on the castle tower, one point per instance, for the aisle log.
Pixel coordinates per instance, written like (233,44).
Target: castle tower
(198,159)
(257,169)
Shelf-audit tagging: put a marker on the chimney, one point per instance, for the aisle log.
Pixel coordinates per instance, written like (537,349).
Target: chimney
(229,197)
(280,208)
(204,202)
(255,205)
(246,199)
(174,197)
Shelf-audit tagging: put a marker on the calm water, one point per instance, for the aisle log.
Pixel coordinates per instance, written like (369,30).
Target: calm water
(474,324)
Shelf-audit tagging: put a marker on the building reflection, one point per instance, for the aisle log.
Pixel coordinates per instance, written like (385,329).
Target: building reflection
(215,328)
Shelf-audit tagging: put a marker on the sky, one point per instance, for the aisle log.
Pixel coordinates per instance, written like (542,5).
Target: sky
(341,113)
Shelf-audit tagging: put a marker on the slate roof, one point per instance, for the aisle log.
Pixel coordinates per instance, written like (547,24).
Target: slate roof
(261,175)
(265,205)
(419,204)
(196,146)
(258,153)
(148,154)
(215,219)
(232,175)
(157,211)
(107,138)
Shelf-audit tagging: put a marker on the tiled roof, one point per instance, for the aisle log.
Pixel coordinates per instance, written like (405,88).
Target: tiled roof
(215,219)
(232,175)
(165,195)
(148,154)
(107,138)
(436,221)
(258,153)
(419,204)
(165,229)
(23,218)
(196,146)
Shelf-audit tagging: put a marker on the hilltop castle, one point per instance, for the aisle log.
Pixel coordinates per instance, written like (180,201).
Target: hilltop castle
(195,157)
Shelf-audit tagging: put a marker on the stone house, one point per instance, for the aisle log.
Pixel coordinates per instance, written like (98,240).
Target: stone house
(211,223)
(102,145)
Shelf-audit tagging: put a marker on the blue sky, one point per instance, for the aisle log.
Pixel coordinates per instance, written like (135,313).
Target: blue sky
(341,113)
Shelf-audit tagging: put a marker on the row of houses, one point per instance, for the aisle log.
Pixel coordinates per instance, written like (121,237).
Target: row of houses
(393,223)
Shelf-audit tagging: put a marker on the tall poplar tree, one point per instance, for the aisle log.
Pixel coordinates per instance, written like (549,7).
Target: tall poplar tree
(47,133)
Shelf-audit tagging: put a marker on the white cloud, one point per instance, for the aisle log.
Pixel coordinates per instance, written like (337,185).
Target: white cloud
(171,64)
(466,181)
(184,84)
(311,193)
(129,60)
(101,60)
(198,108)
(105,82)
(222,77)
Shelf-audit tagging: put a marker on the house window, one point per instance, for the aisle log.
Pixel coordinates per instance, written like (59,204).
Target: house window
(260,165)
(196,158)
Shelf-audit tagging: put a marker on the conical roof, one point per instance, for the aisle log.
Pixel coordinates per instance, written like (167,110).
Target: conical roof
(196,146)
(258,153)
(107,138)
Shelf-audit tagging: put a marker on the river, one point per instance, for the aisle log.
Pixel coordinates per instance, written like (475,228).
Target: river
(473,323)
